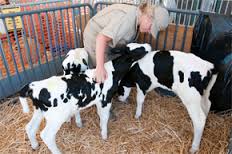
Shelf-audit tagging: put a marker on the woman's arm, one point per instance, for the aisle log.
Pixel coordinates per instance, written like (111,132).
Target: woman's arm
(101,44)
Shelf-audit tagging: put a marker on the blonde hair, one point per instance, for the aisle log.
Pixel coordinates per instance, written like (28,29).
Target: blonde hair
(146,8)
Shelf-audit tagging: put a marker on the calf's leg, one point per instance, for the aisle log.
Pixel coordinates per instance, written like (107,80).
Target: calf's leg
(104,113)
(33,126)
(140,97)
(48,134)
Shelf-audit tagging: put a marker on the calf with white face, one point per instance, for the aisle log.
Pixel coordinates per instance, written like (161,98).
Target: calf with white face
(59,97)
(187,75)
(76,61)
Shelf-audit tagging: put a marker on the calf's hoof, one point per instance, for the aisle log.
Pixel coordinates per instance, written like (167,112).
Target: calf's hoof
(35,146)
(122,99)
(79,125)
(137,116)
(193,150)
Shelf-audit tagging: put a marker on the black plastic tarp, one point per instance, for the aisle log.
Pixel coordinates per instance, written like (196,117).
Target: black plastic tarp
(212,41)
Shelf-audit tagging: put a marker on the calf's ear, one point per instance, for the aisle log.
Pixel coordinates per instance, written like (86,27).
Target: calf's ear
(84,62)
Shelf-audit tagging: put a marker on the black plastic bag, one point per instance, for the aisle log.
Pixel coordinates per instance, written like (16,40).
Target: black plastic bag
(212,41)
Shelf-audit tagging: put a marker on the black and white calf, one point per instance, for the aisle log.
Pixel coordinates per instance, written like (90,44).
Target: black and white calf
(76,61)
(117,50)
(59,97)
(190,77)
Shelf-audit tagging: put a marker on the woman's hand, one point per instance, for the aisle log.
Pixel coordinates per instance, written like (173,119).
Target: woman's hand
(100,74)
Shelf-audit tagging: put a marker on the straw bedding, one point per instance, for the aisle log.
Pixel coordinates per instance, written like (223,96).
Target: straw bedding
(164,127)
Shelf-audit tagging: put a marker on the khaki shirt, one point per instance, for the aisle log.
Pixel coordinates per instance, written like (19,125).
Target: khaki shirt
(118,21)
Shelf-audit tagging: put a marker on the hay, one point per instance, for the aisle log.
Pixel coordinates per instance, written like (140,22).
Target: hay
(164,127)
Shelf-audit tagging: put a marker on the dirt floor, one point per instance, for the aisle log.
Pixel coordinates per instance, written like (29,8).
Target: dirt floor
(164,127)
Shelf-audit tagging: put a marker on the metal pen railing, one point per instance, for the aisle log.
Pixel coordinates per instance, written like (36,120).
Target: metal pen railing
(34,46)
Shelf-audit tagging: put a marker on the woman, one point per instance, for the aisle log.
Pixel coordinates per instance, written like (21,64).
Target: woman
(119,24)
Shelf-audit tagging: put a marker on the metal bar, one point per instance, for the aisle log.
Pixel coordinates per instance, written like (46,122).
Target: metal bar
(185,32)
(177,1)
(191,10)
(11,51)
(60,47)
(226,7)
(157,41)
(29,31)
(189,20)
(214,6)
(80,28)
(165,40)
(19,50)
(197,8)
(56,36)
(74,28)
(175,34)
(69,30)
(198,4)
(2,91)
(63,32)
(186,8)
(50,39)
(182,9)
(35,42)
(44,48)
(28,48)
(85,15)
(6,66)
(18,46)
(37,38)
(219,11)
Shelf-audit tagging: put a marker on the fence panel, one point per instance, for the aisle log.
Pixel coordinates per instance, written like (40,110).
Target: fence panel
(35,50)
